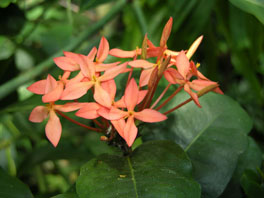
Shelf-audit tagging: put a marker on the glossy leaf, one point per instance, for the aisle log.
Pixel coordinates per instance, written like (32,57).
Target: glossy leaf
(249,160)
(11,187)
(254,7)
(213,137)
(155,169)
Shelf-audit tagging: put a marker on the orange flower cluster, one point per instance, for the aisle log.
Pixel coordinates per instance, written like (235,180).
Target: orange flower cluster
(95,75)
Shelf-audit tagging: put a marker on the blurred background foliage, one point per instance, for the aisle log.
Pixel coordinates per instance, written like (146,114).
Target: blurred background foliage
(32,32)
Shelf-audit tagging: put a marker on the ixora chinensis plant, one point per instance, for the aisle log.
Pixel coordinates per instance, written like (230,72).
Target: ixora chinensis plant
(155,168)
(118,117)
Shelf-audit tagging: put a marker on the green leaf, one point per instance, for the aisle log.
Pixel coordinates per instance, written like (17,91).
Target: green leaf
(213,136)
(5,3)
(249,160)
(64,150)
(11,187)
(67,195)
(88,4)
(23,60)
(251,183)
(155,169)
(254,7)
(6,48)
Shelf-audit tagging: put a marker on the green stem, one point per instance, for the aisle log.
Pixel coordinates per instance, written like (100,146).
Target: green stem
(40,179)
(10,161)
(140,16)
(11,85)
(69,12)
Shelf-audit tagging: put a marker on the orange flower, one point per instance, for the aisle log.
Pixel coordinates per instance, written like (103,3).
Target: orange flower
(53,127)
(127,129)
(183,75)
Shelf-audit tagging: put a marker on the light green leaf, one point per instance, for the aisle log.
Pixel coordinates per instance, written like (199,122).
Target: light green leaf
(155,169)
(6,48)
(5,3)
(23,60)
(254,7)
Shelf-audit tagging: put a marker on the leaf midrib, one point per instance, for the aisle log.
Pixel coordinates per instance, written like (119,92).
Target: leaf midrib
(200,133)
(132,175)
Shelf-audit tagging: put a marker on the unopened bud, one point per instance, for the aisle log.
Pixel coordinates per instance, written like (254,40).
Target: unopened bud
(104,138)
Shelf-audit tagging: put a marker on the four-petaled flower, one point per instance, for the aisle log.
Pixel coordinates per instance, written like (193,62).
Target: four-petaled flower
(127,129)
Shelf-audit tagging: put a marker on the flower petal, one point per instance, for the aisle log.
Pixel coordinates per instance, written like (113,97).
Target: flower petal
(182,64)
(38,114)
(51,84)
(87,67)
(124,54)
(112,113)
(145,76)
(141,95)
(194,47)
(200,84)
(166,33)
(141,64)
(192,94)
(172,75)
(113,72)
(131,94)
(101,96)
(90,57)
(76,91)
(102,50)
(130,131)
(150,115)
(99,67)
(70,106)
(53,95)
(76,79)
(53,128)
(66,63)
(89,111)
(110,87)
(119,126)
(120,103)
(38,87)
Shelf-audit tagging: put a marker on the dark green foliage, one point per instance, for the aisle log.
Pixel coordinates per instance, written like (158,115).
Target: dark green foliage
(155,169)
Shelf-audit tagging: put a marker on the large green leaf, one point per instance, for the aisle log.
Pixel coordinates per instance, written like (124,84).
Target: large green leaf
(11,187)
(213,137)
(254,7)
(249,160)
(155,169)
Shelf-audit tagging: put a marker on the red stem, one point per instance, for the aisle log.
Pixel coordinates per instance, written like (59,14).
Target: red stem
(160,97)
(78,123)
(178,106)
(169,98)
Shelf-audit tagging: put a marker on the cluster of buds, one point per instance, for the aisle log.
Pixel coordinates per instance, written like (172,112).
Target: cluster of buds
(118,117)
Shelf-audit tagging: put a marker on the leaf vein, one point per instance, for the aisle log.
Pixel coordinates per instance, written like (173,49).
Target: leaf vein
(132,175)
